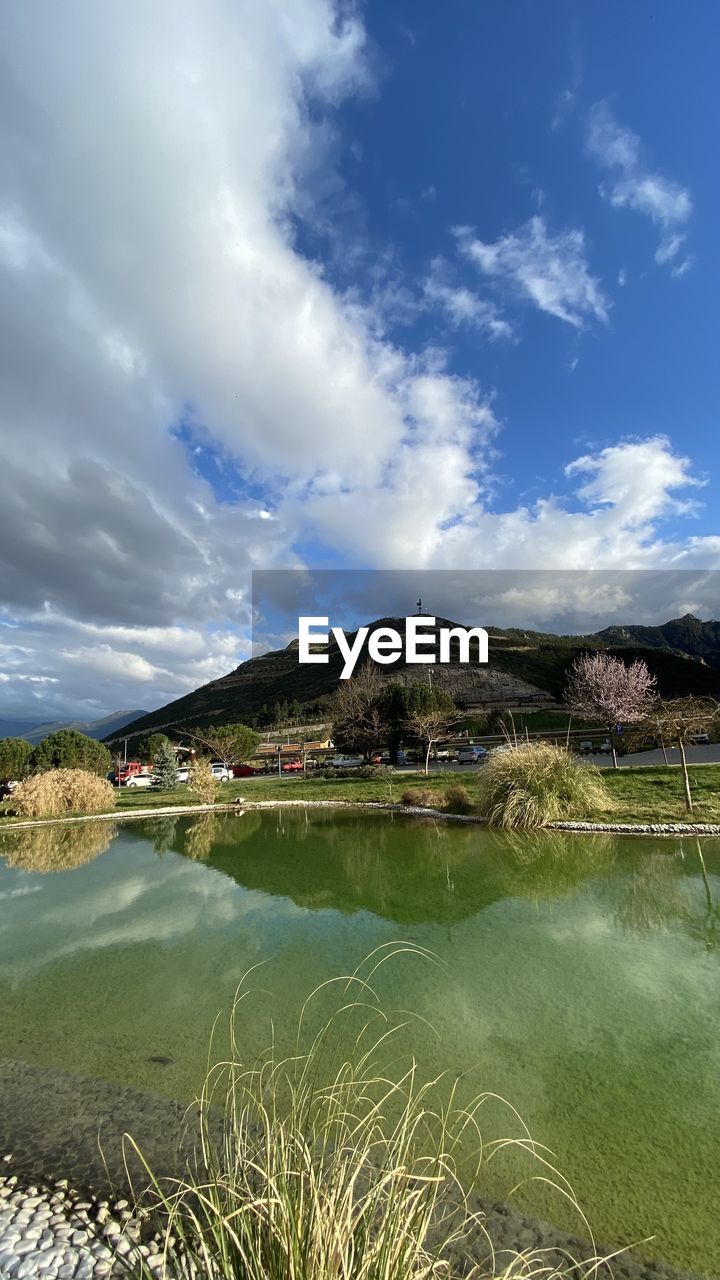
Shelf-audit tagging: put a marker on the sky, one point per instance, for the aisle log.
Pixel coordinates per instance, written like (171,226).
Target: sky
(391,285)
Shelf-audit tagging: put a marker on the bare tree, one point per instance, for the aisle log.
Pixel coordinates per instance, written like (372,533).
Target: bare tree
(357,719)
(607,688)
(429,726)
(678,720)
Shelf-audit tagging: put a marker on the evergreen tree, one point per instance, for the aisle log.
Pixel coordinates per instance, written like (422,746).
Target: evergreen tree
(14,756)
(68,749)
(165,766)
(150,746)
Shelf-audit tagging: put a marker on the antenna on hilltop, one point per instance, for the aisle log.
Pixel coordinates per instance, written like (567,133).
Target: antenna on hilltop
(419,606)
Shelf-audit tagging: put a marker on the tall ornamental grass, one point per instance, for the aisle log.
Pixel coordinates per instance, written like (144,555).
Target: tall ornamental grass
(530,784)
(329,1166)
(62,791)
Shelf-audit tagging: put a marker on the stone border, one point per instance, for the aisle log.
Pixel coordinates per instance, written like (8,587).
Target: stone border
(590,828)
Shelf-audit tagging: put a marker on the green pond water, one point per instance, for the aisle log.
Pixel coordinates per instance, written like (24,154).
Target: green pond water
(577,977)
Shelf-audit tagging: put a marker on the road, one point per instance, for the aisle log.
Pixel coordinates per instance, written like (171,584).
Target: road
(709,754)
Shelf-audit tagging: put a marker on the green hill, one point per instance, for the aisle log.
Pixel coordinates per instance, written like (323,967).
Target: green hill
(526,668)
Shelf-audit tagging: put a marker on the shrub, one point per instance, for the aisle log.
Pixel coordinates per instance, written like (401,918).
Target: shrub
(422,797)
(457,798)
(535,783)
(365,771)
(59,791)
(201,781)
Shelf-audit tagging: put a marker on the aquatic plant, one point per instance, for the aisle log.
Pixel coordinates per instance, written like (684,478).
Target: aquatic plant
(327,1165)
(60,791)
(530,784)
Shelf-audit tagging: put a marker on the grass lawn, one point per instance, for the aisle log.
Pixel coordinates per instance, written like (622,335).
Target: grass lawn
(655,794)
(648,794)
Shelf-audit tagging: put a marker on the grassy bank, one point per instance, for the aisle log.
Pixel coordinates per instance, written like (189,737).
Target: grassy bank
(637,795)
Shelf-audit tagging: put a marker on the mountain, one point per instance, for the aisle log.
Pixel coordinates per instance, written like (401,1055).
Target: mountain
(685,635)
(34,731)
(526,668)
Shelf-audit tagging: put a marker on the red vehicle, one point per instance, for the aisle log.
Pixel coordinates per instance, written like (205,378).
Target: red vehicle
(244,771)
(128,770)
(292,766)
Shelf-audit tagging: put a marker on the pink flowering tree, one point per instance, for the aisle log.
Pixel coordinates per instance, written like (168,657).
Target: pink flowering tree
(613,691)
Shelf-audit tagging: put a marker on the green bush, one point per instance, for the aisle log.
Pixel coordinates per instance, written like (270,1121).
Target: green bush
(535,783)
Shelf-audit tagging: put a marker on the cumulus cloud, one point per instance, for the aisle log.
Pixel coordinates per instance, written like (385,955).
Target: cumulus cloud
(186,394)
(549,270)
(633,186)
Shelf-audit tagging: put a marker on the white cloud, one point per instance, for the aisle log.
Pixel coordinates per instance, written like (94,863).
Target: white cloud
(549,270)
(156,162)
(436,518)
(461,305)
(665,202)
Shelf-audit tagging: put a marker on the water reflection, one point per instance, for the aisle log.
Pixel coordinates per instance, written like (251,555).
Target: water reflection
(56,848)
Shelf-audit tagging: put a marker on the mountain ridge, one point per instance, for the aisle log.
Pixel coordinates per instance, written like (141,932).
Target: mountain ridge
(525,667)
(35,730)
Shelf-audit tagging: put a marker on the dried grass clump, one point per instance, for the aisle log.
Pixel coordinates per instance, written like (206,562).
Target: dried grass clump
(56,848)
(61,791)
(421,798)
(457,798)
(535,783)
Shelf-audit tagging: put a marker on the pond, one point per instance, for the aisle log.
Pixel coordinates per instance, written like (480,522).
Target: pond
(578,977)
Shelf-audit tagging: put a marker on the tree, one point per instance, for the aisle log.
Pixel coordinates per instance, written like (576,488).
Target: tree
(230,743)
(431,712)
(150,746)
(607,688)
(358,723)
(68,749)
(165,766)
(678,720)
(14,756)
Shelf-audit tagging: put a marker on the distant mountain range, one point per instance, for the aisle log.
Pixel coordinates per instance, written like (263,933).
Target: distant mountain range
(525,667)
(33,731)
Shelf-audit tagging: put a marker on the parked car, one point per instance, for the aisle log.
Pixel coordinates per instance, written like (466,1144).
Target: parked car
(244,771)
(220,772)
(346,762)
(140,780)
(698,739)
(586,747)
(606,747)
(472,754)
(292,766)
(6,788)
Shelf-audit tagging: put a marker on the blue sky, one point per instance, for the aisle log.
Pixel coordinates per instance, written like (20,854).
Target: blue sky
(484,108)
(388,285)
